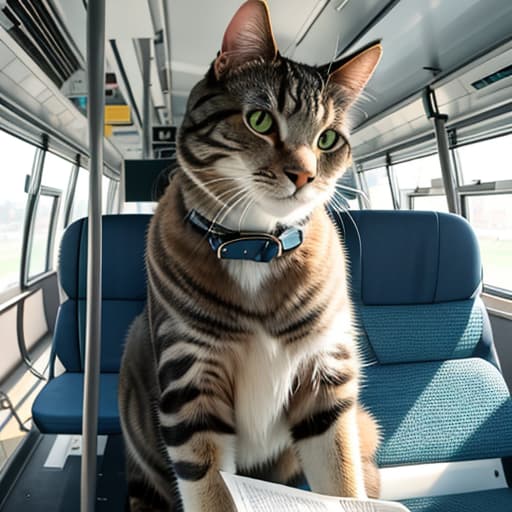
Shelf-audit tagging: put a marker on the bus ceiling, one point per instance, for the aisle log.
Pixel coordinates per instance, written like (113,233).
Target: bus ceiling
(449,46)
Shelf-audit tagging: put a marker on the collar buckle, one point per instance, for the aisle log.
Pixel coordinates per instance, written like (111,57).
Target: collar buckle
(252,246)
(260,247)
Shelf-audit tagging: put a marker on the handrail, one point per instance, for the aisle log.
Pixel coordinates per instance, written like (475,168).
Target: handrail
(19,301)
(95,118)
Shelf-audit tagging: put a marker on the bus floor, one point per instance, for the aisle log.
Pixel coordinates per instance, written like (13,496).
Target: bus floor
(38,487)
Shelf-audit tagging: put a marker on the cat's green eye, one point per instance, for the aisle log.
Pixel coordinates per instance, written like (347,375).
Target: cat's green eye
(328,140)
(260,121)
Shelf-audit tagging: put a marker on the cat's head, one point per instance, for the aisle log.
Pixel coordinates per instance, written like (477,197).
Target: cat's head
(265,136)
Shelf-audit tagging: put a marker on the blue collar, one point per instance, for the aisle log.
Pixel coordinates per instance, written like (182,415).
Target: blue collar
(252,246)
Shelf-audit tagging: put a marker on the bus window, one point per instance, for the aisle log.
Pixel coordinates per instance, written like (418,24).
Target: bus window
(56,175)
(490,217)
(139,207)
(486,195)
(429,202)
(41,235)
(80,201)
(420,184)
(16,159)
(378,187)
(485,161)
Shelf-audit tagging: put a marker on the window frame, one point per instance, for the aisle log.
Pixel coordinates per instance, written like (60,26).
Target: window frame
(423,192)
(31,178)
(52,229)
(486,189)
(70,192)
(363,183)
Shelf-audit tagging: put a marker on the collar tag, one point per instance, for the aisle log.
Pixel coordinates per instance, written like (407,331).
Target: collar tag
(254,247)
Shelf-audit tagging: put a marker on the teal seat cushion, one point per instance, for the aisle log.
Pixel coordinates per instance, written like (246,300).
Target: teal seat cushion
(58,407)
(439,411)
(484,501)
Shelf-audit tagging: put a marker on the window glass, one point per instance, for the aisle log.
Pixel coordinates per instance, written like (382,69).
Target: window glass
(139,207)
(353,204)
(81,199)
(489,160)
(16,160)
(41,236)
(56,174)
(490,217)
(433,203)
(417,173)
(378,189)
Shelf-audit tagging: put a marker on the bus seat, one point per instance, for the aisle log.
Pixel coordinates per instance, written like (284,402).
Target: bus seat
(58,407)
(431,376)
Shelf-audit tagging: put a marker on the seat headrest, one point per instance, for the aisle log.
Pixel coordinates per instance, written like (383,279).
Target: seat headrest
(411,257)
(123,266)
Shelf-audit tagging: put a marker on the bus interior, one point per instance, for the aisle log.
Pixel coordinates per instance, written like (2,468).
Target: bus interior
(431,135)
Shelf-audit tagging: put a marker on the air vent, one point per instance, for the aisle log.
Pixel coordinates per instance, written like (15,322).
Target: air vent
(35,28)
(493,78)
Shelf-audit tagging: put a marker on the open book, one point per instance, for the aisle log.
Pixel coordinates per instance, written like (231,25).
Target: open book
(252,495)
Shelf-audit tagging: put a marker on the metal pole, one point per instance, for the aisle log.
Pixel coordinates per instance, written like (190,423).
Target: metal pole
(145,50)
(395,192)
(167,53)
(96,89)
(446,165)
(432,112)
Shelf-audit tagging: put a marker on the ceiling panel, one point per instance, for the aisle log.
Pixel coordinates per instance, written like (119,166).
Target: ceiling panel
(335,28)
(442,34)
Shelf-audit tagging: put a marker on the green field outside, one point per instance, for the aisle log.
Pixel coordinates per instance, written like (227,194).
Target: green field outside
(497,262)
(10,256)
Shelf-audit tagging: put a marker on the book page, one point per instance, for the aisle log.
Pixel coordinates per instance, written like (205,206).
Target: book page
(251,495)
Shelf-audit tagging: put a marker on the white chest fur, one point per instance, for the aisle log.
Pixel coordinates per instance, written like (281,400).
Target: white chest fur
(250,275)
(263,384)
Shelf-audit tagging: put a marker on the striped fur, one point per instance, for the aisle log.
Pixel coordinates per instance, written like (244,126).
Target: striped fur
(243,366)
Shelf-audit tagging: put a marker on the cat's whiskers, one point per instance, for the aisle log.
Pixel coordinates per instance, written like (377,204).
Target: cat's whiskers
(339,206)
(234,178)
(245,211)
(251,203)
(239,194)
(234,204)
(357,191)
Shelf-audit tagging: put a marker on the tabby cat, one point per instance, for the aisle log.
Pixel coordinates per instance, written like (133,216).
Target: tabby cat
(245,358)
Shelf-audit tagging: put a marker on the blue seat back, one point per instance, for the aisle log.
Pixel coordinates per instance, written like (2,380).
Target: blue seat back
(123,288)
(431,375)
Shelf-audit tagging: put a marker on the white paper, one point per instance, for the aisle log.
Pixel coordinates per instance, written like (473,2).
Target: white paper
(251,495)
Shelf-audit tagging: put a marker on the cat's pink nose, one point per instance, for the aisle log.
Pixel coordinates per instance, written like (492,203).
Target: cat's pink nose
(299,178)
(301,168)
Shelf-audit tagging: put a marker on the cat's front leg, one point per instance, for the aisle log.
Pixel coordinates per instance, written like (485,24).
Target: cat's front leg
(200,444)
(197,467)
(332,460)
(325,431)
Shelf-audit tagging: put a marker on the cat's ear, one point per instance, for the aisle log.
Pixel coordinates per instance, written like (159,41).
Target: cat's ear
(248,36)
(354,71)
